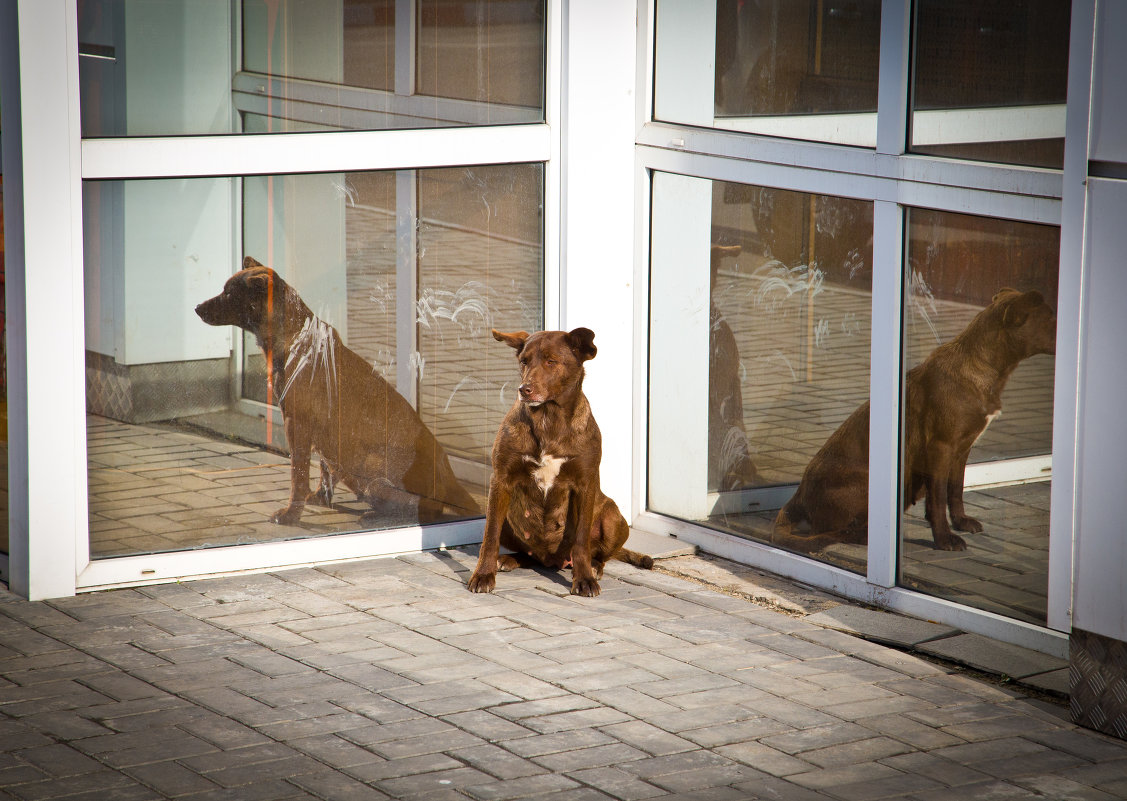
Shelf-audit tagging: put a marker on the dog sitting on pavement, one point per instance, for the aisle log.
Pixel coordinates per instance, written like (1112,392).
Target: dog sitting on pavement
(545,501)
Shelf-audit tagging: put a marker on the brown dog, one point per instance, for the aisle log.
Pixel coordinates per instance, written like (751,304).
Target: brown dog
(951,397)
(544,496)
(367,434)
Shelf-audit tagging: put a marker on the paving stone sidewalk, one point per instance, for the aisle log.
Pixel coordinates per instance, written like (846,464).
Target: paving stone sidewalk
(387,679)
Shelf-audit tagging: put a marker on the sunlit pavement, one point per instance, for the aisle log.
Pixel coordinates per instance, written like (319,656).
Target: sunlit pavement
(386,678)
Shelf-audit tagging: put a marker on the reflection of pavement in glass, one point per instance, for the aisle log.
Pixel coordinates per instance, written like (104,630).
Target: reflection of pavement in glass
(468,283)
(160,488)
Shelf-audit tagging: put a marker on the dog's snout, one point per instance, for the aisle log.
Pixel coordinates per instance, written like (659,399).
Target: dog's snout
(525,390)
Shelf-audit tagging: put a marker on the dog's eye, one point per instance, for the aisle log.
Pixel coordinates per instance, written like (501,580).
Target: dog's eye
(550,362)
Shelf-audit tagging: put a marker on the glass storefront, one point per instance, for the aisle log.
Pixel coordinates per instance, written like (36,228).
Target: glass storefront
(776,289)
(267,66)
(979,331)
(990,80)
(369,347)
(802,70)
(779,309)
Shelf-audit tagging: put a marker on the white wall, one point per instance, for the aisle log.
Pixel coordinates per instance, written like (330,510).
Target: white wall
(598,213)
(1100,589)
(1100,604)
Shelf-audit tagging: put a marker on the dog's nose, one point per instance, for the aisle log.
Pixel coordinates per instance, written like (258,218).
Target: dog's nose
(525,390)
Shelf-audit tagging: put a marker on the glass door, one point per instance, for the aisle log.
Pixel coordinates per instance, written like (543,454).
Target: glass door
(288,312)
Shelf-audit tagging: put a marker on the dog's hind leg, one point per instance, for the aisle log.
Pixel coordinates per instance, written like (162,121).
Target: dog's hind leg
(323,495)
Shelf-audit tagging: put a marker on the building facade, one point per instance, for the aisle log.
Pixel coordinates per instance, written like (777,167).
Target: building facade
(769,212)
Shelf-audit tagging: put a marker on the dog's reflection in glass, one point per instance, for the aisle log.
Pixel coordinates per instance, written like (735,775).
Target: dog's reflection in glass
(951,397)
(368,436)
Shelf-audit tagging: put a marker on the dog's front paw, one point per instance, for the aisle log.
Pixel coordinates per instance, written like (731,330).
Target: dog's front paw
(287,516)
(482,582)
(320,497)
(950,542)
(587,587)
(967,524)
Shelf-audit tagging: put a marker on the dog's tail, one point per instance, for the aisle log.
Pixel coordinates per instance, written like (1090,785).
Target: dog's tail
(783,532)
(634,558)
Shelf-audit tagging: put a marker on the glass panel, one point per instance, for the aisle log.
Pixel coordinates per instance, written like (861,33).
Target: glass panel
(775,287)
(802,69)
(979,320)
(990,80)
(173,67)
(385,288)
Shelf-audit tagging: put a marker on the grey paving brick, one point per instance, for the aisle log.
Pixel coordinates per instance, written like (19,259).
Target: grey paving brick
(985,654)
(880,626)
(59,760)
(333,722)
(579,719)
(887,787)
(649,738)
(285,768)
(996,791)
(398,730)
(1022,765)
(410,766)
(486,725)
(526,787)
(909,731)
(820,737)
(403,747)
(1059,787)
(736,732)
(675,763)
(1007,748)
(1089,745)
(701,779)
(852,753)
(688,719)
(238,757)
(617,784)
(933,767)
(496,761)
(539,745)
(594,757)
(336,787)
(826,778)
(171,779)
(65,725)
(334,751)
(764,758)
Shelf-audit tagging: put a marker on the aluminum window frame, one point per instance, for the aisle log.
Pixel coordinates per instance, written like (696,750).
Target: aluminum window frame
(49,523)
(895,180)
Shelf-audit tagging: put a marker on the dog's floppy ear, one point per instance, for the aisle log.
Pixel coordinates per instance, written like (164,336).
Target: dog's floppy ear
(1017,311)
(583,343)
(514,340)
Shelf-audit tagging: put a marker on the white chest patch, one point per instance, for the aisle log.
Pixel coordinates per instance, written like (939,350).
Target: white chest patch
(990,418)
(546,470)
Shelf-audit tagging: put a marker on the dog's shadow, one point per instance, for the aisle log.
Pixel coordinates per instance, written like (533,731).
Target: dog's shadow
(519,578)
